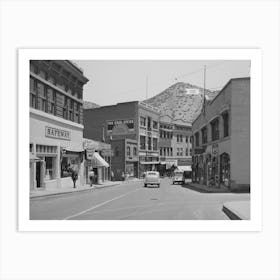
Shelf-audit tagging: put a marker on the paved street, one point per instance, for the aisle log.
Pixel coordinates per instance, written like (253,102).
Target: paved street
(131,201)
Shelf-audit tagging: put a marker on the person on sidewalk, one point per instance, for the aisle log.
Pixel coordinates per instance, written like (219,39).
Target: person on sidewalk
(91,177)
(74,177)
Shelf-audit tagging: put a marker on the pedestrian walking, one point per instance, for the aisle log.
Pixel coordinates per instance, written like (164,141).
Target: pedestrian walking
(74,177)
(112,175)
(91,177)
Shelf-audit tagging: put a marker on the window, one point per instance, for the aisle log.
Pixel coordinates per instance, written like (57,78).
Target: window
(160,151)
(65,108)
(154,144)
(155,125)
(50,171)
(149,123)
(226,123)
(128,151)
(142,142)
(171,152)
(134,151)
(215,129)
(196,139)
(142,121)
(204,135)
(117,152)
(187,139)
(149,143)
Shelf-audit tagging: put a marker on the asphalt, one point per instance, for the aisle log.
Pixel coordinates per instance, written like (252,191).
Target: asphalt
(131,201)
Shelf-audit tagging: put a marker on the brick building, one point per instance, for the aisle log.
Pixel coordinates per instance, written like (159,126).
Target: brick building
(129,120)
(174,143)
(221,138)
(56,122)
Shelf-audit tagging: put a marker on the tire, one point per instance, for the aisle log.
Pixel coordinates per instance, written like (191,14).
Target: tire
(145,185)
(158,185)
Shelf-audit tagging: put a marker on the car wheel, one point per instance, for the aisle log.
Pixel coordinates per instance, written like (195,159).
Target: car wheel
(158,185)
(145,185)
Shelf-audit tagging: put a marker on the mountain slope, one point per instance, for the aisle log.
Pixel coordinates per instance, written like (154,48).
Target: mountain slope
(90,105)
(180,103)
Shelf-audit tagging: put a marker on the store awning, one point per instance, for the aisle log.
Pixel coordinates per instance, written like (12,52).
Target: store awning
(33,158)
(73,150)
(184,168)
(149,162)
(99,161)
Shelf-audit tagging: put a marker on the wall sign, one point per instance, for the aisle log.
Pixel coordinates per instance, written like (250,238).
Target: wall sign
(129,124)
(57,133)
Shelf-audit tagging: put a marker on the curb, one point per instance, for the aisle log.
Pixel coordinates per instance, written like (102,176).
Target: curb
(232,215)
(71,192)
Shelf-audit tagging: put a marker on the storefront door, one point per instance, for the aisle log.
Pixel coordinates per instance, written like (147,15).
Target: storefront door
(38,174)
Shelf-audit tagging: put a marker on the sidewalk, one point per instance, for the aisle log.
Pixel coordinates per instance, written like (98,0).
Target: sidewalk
(42,193)
(206,189)
(237,210)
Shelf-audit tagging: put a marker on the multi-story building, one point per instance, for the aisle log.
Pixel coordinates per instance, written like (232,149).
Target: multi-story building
(221,138)
(129,120)
(174,144)
(56,122)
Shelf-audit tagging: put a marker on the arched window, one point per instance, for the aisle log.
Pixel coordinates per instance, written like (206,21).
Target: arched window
(128,150)
(134,151)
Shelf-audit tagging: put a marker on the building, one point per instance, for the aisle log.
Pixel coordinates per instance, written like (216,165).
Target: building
(129,120)
(221,138)
(97,158)
(174,144)
(56,123)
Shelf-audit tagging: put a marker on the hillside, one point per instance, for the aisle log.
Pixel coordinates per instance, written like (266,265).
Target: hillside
(90,105)
(180,103)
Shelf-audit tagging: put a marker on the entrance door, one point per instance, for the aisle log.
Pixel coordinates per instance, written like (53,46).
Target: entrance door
(38,174)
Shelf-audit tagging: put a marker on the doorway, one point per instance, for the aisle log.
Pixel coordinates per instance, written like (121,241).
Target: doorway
(38,174)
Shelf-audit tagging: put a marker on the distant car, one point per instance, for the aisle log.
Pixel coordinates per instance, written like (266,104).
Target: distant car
(151,178)
(178,177)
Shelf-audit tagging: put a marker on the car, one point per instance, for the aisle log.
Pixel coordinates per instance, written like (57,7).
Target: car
(178,177)
(151,178)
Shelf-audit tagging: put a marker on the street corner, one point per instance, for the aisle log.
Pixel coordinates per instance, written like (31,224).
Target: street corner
(237,210)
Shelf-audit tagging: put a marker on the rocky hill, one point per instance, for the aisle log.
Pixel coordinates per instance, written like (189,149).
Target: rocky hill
(180,103)
(90,105)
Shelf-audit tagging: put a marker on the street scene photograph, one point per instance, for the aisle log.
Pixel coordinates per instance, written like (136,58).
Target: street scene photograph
(139,139)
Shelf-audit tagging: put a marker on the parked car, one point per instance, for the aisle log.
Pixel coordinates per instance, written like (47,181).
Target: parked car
(178,177)
(151,178)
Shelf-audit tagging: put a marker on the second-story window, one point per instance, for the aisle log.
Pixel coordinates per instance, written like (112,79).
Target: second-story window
(142,142)
(204,135)
(142,121)
(154,144)
(226,123)
(215,129)
(128,151)
(196,139)
(149,123)
(155,125)
(134,151)
(149,143)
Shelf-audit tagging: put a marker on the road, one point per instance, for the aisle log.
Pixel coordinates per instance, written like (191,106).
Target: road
(131,201)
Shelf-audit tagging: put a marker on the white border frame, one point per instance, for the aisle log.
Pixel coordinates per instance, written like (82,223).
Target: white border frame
(254,55)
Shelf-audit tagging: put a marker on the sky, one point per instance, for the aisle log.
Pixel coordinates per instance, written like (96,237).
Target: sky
(113,81)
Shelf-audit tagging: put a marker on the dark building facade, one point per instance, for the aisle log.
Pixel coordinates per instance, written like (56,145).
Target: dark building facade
(221,138)
(120,124)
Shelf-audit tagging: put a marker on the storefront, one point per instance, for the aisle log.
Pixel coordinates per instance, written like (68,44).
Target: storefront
(98,158)
(55,147)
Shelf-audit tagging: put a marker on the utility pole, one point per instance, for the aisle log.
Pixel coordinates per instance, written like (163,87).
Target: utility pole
(146,86)
(204,85)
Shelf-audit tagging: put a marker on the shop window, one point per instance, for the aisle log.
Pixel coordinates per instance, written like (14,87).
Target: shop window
(226,123)
(50,168)
(215,129)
